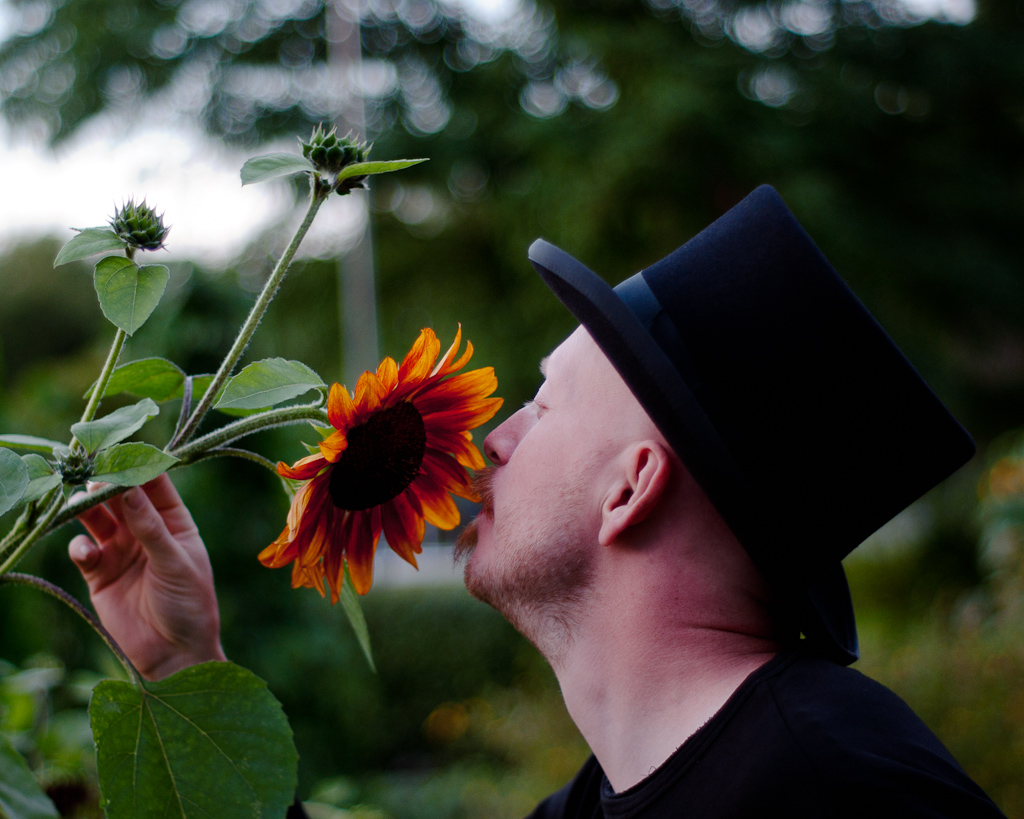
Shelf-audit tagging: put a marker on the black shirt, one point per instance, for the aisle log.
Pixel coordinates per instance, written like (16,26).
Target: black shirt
(801,737)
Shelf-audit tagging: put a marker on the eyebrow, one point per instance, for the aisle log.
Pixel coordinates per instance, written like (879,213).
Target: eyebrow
(544,365)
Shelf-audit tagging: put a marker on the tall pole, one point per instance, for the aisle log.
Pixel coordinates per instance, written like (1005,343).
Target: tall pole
(357,308)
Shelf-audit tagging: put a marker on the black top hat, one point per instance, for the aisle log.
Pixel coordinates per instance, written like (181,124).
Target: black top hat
(796,413)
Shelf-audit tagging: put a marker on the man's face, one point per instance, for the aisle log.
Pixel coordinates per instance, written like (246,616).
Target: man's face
(536,538)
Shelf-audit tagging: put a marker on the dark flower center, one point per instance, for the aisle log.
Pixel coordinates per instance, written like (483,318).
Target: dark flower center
(383,457)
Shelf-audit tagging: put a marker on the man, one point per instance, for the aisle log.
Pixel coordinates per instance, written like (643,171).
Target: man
(665,521)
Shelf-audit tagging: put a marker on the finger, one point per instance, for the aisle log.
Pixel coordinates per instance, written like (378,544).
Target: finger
(97,520)
(166,500)
(147,525)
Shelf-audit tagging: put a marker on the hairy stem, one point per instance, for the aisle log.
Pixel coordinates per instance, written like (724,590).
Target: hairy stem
(317,198)
(52,502)
(18,579)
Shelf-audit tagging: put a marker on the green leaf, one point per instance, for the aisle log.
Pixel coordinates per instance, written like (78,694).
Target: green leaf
(128,293)
(271,166)
(354,613)
(155,378)
(209,741)
(41,477)
(120,424)
(20,794)
(267,383)
(370,168)
(13,479)
(131,464)
(29,442)
(88,243)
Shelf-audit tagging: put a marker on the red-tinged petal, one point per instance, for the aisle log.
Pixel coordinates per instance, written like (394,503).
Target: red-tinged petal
(333,445)
(403,526)
(370,392)
(470,387)
(466,416)
(459,444)
(310,577)
(334,563)
(341,411)
(303,469)
(387,372)
(438,506)
(420,359)
(359,552)
(279,553)
(463,360)
(447,357)
(444,470)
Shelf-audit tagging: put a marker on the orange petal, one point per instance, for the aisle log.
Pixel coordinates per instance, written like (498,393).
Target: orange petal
(332,446)
(279,553)
(403,526)
(438,506)
(303,469)
(370,392)
(420,359)
(334,565)
(463,360)
(340,410)
(387,372)
(451,352)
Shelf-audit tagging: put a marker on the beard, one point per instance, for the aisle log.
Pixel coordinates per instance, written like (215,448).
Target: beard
(538,579)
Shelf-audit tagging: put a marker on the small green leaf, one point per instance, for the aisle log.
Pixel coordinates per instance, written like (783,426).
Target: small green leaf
(41,477)
(155,378)
(120,424)
(370,168)
(128,293)
(131,464)
(272,166)
(13,479)
(88,243)
(267,383)
(20,794)
(354,613)
(209,741)
(29,442)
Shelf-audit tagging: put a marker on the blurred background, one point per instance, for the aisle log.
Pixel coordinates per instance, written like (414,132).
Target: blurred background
(616,129)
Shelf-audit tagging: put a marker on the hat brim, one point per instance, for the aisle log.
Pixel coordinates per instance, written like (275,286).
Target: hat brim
(821,606)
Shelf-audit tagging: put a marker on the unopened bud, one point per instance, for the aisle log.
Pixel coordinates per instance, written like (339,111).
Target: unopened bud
(139,226)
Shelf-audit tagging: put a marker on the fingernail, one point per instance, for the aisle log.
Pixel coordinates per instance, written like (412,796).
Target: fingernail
(131,499)
(85,552)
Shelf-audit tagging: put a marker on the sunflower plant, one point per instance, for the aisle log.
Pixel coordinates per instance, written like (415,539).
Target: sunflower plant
(211,739)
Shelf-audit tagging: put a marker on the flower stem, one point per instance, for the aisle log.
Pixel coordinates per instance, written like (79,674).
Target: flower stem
(317,198)
(101,383)
(16,578)
(188,453)
(52,503)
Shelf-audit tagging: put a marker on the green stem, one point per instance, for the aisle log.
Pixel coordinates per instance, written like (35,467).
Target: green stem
(234,452)
(101,383)
(52,503)
(247,426)
(317,198)
(20,525)
(18,579)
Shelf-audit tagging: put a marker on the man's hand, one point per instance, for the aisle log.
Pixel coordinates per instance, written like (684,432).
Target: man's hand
(150,580)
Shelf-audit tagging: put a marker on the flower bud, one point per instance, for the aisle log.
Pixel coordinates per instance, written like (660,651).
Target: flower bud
(139,226)
(75,468)
(330,153)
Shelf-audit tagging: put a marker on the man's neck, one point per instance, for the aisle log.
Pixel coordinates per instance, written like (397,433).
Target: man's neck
(638,695)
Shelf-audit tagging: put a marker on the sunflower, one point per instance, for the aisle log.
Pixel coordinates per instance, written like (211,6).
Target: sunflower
(399,450)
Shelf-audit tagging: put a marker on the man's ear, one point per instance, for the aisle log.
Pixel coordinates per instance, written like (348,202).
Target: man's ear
(639,485)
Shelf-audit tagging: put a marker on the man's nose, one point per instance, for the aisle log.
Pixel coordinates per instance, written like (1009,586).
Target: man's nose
(502,442)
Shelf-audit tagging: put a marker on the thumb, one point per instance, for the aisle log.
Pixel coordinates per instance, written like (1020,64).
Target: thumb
(88,557)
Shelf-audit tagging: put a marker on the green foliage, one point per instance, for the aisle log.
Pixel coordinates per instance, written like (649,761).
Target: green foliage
(20,794)
(42,477)
(115,427)
(30,442)
(128,293)
(88,242)
(14,479)
(267,383)
(208,741)
(273,166)
(155,378)
(131,464)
